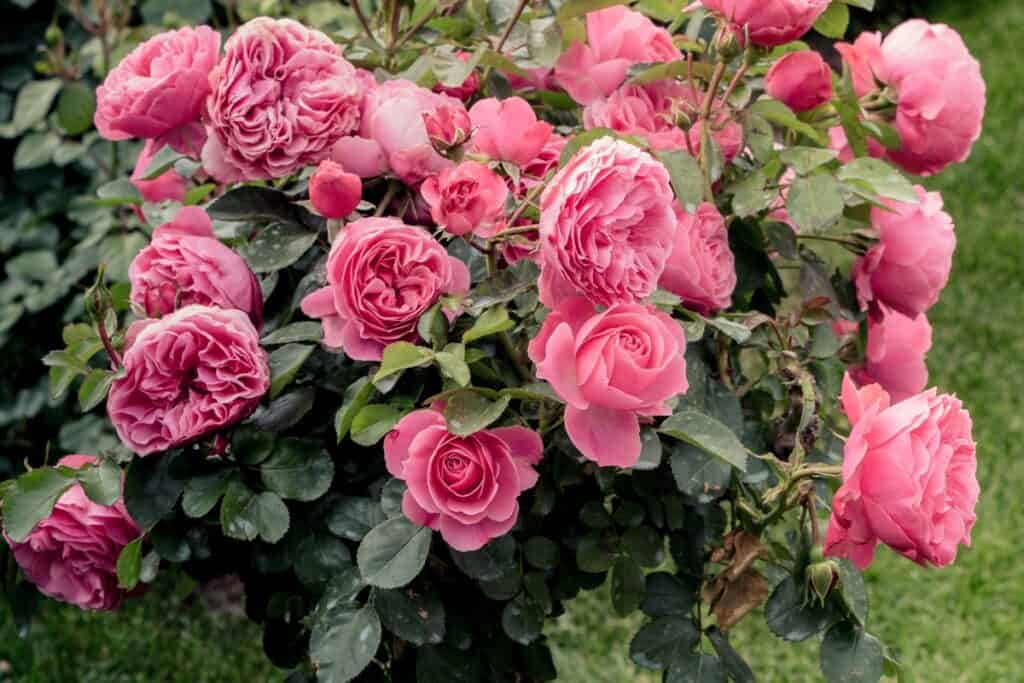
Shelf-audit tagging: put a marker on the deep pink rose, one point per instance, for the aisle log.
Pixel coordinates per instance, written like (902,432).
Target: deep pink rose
(333,191)
(507,130)
(863,56)
(282,96)
(534,78)
(467,198)
(910,265)
(909,478)
(188,374)
(895,358)
(467,88)
(447,125)
(769,22)
(382,275)
(611,368)
(186,264)
(466,487)
(546,161)
(169,185)
(606,226)
(701,269)
(800,80)
(617,38)
(159,87)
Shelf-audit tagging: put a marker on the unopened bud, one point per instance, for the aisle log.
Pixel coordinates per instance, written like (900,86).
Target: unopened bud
(822,578)
(53,34)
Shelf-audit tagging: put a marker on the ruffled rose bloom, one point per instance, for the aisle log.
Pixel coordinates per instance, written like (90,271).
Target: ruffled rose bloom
(895,358)
(169,185)
(701,269)
(909,478)
(800,80)
(467,88)
(910,265)
(769,22)
(617,38)
(507,130)
(606,226)
(611,368)
(466,487)
(468,198)
(188,374)
(333,191)
(185,264)
(382,276)
(282,95)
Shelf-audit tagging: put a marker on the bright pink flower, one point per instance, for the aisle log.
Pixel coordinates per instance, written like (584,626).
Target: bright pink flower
(470,197)
(382,275)
(863,56)
(467,88)
(896,350)
(535,78)
(611,368)
(800,80)
(169,185)
(507,130)
(466,487)
(333,191)
(769,22)
(909,478)
(838,141)
(447,125)
(701,269)
(537,170)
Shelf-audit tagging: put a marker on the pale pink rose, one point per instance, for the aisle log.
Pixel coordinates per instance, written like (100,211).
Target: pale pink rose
(159,87)
(606,226)
(800,80)
(447,126)
(507,130)
(546,161)
(169,185)
(71,555)
(701,269)
(895,358)
(468,198)
(465,90)
(909,478)
(382,275)
(769,22)
(334,192)
(863,56)
(282,96)
(188,375)
(186,264)
(466,487)
(910,265)
(617,38)
(611,368)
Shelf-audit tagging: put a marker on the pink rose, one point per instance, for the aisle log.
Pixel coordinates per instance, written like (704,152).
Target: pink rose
(611,368)
(909,478)
(159,87)
(701,269)
(334,192)
(769,22)
(606,226)
(382,276)
(447,125)
(910,265)
(466,487)
(186,264)
(895,357)
(169,185)
(282,96)
(71,555)
(507,130)
(863,56)
(470,197)
(467,88)
(189,374)
(535,78)
(617,38)
(800,80)
(546,161)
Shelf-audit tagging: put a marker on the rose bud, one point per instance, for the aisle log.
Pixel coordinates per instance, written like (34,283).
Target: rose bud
(800,80)
(334,192)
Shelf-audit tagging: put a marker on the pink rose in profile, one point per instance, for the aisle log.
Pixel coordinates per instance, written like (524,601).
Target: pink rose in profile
(606,226)
(611,368)
(507,130)
(467,198)
(71,555)
(895,358)
(186,264)
(159,87)
(769,22)
(617,38)
(282,96)
(909,478)
(701,269)
(863,56)
(800,80)
(169,185)
(466,487)
(334,192)
(382,275)
(188,374)
(910,265)
(467,88)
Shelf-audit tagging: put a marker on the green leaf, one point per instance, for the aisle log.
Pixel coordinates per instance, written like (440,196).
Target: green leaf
(433,326)
(645,545)
(452,363)
(352,518)
(160,163)
(578,8)
(412,616)
(373,422)
(708,434)
(492,321)
(732,662)
(661,642)
(152,487)
(393,553)
(443,664)
(582,140)
(628,586)
(815,202)
(467,412)
(343,641)
(202,492)
(401,356)
(119,191)
(853,590)
(277,246)
(94,389)
(299,469)
(245,514)
(781,115)
(31,497)
(851,655)
(285,363)
(319,557)
(251,446)
(834,21)
(542,552)
(803,160)
(35,150)
(522,620)
(75,107)
(699,475)
(665,595)
(31,106)
(792,616)
(490,562)
(686,176)
(696,667)
(176,12)
(357,395)
(596,553)
(880,177)
(129,565)
(650,450)
(101,481)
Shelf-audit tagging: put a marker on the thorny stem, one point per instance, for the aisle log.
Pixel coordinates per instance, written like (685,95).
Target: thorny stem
(414,28)
(705,128)
(737,77)
(837,240)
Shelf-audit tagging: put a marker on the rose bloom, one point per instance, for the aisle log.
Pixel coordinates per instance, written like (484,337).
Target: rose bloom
(186,264)
(470,197)
(382,275)
(701,269)
(606,226)
(547,160)
(611,368)
(910,265)
(617,38)
(188,374)
(895,358)
(864,57)
(282,95)
(447,125)
(159,87)
(769,22)
(909,478)
(334,192)
(466,487)
(800,80)
(465,90)
(507,130)
(169,185)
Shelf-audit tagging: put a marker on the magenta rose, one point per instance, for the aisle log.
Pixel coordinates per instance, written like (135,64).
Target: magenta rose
(800,80)
(186,264)
(909,478)
(611,368)
(282,96)
(334,192)
(507,130)
(382,275)
(606,226)
(188,374)
(466,487)
(468,198)
(465,90)
(169,185)
(895,358)
(701,269)
(910,265)
(769,22)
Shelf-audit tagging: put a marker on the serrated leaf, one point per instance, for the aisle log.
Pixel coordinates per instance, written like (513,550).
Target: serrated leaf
(686,176)
(467,412)
(393,553)
(285,363)
(401,356)
(129,565)
(357,395)
(101,481)
(373,422)
(708,434)
(31,497)
(299,469)
(493,321)
(202,492)
(246,515)
(343,641)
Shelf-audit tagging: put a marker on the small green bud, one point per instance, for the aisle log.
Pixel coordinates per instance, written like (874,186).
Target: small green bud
(822,578)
